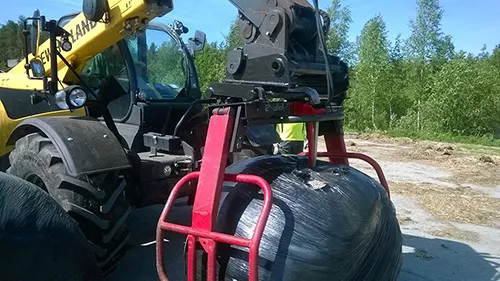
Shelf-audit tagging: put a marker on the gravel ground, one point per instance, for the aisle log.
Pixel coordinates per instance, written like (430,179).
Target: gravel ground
(447,199)
(451,223)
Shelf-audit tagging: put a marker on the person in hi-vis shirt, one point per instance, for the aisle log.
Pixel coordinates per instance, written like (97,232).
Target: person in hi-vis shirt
(292,137)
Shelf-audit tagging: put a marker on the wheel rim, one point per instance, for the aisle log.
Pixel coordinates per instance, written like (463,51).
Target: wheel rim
(36,180)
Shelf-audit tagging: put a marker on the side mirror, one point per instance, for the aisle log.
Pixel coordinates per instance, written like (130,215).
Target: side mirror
(35,33)
(37,68)
(198,42)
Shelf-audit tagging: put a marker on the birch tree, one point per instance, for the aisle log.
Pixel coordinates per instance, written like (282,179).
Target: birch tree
(369,96)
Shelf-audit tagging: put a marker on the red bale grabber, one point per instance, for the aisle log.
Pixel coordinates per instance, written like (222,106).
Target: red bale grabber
(221,132)
(335,146)
(206,203)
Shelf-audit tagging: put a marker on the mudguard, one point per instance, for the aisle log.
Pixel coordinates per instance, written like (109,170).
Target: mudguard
(85,144)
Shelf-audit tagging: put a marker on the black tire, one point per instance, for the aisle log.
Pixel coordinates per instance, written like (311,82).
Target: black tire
(96,201)
(39,240)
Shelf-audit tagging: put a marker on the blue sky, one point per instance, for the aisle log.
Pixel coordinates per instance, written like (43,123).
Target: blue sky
(470,23)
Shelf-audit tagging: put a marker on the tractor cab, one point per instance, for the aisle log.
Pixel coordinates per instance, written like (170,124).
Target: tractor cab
(156,75)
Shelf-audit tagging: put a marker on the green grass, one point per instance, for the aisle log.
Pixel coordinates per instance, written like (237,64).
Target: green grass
(446,137)
(480,144)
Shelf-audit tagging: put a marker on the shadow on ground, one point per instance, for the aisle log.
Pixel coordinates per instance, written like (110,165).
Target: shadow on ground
(424,258)
(139,263)
(439,259)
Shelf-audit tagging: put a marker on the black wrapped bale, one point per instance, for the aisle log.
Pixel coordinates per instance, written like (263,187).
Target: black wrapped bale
(38,239)
(330,223)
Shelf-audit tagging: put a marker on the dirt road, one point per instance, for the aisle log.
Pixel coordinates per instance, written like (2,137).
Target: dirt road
(447,198)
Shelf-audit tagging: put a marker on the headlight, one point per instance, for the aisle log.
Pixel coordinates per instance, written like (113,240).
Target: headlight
(77,97)
(71,97)
(60,99)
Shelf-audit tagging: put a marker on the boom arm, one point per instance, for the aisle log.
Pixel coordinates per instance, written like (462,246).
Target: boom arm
(257,11)
(123,18)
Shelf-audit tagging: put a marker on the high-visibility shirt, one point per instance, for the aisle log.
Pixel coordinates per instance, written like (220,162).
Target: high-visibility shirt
(292,131)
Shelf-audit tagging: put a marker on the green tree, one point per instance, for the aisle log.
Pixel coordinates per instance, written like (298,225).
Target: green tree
(398,100)
(211,64)
(369,100)
(165,64)
(495,57)
(465,98)
(484,53)
(233,39)
(424,45)
(424,42)
(337,41)
(12,41)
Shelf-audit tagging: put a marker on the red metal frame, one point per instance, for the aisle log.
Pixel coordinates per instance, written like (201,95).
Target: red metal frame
(335,145)
(208,192)
(206,203)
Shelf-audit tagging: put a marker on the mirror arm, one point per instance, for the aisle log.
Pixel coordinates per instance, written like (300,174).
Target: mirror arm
(51,27)
(45,83)
(26,33)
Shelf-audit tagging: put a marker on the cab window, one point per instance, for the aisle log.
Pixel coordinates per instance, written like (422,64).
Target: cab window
(160,65)
(110,62)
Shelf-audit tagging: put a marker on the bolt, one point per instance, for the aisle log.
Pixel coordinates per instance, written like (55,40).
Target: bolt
(274,18)
(247,32)
(167,171)
(70,139)
(105,136)
(268,33)
(271,3)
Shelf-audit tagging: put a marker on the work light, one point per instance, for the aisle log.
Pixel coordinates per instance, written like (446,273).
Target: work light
(72,97)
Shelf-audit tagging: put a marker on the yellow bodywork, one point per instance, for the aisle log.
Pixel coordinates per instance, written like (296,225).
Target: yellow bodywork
(8,125)
(88,38)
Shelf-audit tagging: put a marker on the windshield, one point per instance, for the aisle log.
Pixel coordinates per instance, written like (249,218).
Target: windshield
(160,65)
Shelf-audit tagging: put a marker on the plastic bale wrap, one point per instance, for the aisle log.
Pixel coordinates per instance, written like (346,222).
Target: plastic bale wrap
(38,239)
(330,223)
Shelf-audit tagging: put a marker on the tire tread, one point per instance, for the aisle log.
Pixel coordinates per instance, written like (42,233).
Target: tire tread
(94,201)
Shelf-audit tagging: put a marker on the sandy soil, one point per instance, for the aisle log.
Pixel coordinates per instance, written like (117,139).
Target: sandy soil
(447,198)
